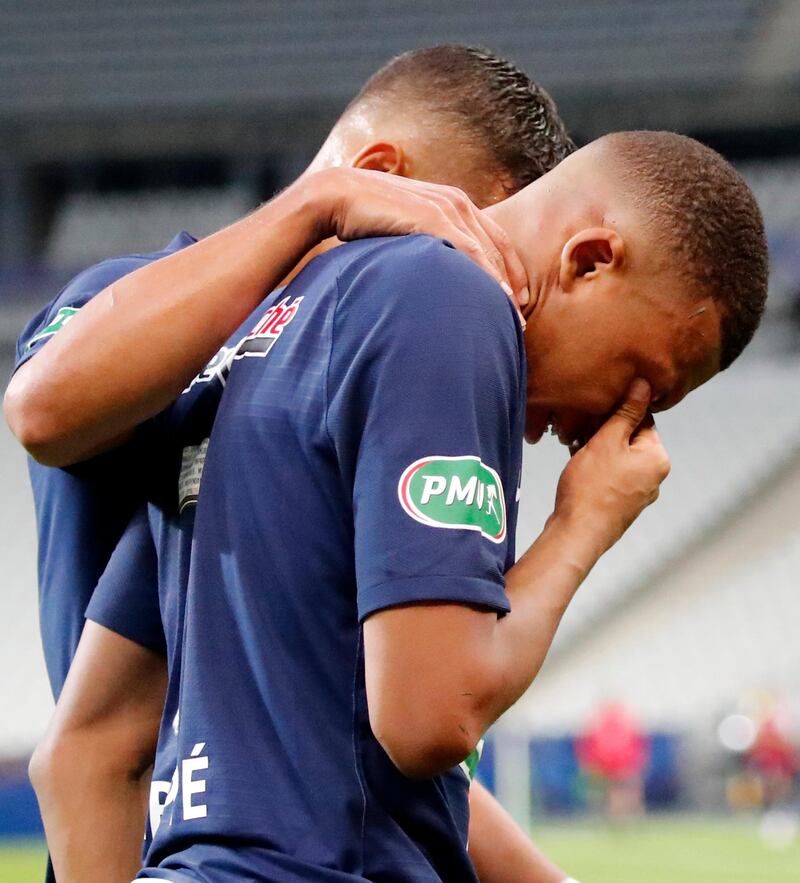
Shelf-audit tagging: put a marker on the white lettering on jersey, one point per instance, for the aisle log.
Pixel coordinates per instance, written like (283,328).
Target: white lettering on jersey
(191,786)
(185,782)
(257,343)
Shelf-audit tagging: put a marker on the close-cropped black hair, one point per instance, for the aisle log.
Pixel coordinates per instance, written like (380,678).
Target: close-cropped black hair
(499,106)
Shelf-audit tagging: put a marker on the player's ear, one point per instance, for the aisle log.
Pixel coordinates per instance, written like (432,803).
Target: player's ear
(588,253)
(382,156)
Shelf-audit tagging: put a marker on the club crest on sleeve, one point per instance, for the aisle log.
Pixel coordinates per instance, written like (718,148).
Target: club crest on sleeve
(456,493)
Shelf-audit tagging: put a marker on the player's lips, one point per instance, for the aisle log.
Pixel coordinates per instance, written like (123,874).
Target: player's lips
(572,437)
(575,433)
(567,437)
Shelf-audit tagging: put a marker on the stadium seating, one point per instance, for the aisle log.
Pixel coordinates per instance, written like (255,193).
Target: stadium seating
(225,53)
(24,693)
(91,227)
(776,185)
(683,659)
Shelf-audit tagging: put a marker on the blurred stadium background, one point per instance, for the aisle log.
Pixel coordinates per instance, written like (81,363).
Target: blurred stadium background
(673,691)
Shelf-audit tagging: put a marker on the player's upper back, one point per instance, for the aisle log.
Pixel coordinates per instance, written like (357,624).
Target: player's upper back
(366,307)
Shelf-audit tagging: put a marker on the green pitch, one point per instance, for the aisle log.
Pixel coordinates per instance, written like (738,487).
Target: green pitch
(657,850)
(22,863)
(681,849)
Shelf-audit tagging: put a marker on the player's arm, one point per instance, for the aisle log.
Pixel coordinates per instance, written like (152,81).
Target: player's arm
(130,351)
(438,675)
(91,771)
(500,850)
(436,384)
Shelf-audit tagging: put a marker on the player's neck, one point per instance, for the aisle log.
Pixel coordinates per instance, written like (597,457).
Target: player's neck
(318,249)
(522,217)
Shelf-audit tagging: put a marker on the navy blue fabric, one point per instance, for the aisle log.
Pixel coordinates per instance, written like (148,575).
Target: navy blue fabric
(82,511)
(141,594)
(397,349)
(182,431)
(125,599)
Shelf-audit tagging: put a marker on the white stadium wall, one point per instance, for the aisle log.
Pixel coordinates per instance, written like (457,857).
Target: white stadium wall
(25,702)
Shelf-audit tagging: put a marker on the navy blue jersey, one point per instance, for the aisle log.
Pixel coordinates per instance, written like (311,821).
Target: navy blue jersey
(366,454)
(82,511)
(125,599)
(182,433)
(141,594)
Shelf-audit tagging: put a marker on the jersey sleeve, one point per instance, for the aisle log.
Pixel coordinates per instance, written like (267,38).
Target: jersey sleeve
(76,294)
(126,597)
(424,393)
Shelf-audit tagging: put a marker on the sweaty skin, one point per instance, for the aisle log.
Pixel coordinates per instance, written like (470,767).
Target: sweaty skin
(606,306)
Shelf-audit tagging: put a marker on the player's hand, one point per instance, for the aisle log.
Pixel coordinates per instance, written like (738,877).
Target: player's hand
(360,203)
(617,474)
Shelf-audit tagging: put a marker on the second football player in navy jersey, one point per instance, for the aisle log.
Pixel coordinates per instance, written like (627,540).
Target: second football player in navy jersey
(83,510)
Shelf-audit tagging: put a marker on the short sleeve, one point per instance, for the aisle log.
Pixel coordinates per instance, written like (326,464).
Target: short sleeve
(424,400)
(76,294)
(126,597)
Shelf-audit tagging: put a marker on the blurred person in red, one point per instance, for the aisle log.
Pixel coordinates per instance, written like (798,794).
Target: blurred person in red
(774,759)
(614,752)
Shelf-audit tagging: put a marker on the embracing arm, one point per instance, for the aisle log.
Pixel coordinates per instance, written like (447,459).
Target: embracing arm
(130,351)
(438,675)
(91,769)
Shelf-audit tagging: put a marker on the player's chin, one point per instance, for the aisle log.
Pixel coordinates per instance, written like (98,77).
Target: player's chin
(536,425)
(533,437)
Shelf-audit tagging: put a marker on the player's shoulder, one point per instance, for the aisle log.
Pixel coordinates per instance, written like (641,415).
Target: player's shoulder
(415,298)
(406,274)
(85,286)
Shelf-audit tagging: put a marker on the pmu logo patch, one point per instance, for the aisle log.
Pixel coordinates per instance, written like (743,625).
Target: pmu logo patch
(457,493)
(270,327)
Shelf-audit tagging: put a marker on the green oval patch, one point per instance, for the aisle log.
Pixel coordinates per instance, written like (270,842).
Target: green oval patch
(460,493)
